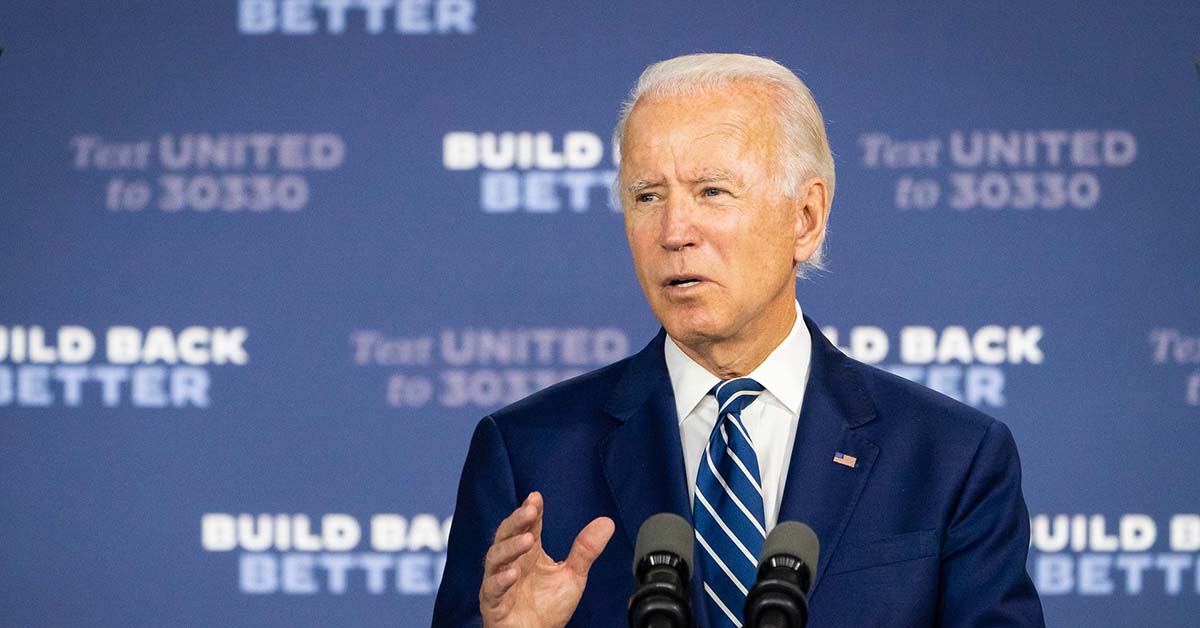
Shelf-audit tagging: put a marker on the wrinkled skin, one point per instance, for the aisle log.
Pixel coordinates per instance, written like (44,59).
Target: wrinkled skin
(525,588)
(703,205)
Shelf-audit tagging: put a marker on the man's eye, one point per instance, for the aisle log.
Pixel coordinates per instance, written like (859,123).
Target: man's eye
(712,191)
(645,198)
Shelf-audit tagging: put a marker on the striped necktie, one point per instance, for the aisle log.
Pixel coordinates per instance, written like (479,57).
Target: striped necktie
(728,509)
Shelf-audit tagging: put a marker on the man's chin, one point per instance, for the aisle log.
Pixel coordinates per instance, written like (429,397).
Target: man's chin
(692,335)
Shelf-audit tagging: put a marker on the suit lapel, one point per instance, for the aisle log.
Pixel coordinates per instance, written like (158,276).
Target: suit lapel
(818,491)
(643,457)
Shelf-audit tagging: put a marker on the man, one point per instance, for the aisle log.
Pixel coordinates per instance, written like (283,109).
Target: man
(726,179)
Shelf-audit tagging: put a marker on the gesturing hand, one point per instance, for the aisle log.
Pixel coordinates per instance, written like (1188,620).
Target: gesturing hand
(525,588)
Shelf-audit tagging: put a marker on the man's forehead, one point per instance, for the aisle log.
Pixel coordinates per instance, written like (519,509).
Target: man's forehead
(698,153)
(683,121)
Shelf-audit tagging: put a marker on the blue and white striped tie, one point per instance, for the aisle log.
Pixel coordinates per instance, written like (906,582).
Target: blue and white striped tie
(728,508)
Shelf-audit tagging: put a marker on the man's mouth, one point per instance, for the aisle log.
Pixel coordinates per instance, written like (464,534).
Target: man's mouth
(683,281)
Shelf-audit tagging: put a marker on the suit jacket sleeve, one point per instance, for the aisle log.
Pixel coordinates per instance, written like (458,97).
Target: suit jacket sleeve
(486,495)
(984,582)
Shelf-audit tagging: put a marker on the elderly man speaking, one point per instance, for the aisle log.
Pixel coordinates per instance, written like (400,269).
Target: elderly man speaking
(726,180)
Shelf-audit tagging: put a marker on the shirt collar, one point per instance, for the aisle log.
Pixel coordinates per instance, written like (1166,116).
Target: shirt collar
(784,373)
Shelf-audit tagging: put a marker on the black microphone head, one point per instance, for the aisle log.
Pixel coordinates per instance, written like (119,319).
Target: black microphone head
(664,533)
(779,596)
(793,539)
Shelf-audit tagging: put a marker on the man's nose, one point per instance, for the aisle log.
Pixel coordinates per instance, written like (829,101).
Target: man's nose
(678,227)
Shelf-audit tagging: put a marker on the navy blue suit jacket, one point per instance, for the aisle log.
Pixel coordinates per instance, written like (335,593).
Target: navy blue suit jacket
(929,528)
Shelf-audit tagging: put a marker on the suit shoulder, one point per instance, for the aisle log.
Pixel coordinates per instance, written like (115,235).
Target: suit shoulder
(920,428)
(901,401)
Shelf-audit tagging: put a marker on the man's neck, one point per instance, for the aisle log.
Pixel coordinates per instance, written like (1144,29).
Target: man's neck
(738,357)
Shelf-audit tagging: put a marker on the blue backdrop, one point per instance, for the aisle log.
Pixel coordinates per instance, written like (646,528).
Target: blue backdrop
(268,261)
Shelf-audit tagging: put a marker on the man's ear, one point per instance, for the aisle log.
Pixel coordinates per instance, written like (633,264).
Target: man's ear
(812,211)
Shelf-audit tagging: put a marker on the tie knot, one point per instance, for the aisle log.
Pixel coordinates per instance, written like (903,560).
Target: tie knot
(735,394)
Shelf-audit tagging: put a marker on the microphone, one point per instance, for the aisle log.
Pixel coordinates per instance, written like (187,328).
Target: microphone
(779,599)
(662,561)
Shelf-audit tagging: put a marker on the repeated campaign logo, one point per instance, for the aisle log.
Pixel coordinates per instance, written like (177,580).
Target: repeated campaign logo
(970,365)
(121,366)
(1128,555)
(1172,349)
(1000,169)
(482,368)
(373,17)
(295,554)
(208,173)
(535,172)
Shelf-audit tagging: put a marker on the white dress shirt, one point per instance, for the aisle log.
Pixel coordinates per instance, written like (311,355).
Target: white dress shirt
(771,419)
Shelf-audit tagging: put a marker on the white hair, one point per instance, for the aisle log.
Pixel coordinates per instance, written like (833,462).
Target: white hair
(805,148)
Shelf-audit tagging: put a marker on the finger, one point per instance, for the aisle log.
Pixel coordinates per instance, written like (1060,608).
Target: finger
(535,500)
(587,547)
(501,554)
(516,522)
(495,586)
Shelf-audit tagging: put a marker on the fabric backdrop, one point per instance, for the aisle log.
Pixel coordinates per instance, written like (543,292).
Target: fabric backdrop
(266,263)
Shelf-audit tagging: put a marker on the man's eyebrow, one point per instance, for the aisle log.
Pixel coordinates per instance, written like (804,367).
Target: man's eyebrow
(639,185)
(708,176)
(714,176)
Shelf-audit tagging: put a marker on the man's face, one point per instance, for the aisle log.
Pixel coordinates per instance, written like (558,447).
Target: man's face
(715,243)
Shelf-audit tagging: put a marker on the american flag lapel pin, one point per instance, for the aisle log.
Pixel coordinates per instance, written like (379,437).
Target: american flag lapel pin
(845,459)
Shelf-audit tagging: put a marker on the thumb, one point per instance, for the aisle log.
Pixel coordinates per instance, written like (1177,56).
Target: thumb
(587,547)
